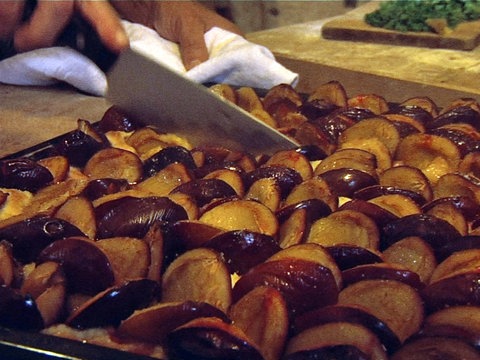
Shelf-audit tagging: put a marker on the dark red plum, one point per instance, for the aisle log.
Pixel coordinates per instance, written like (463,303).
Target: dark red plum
(243,249)
(462,289)
(18,311)
(167,156)
(345,182)
(97,188)
(305,285)
(356,315)
(79,145)
(348,256)
(370,192)
(29,237)
(382,272)
(115,304)
(286,177)
(334,352)
(464,243)
(315,208)
(114,119)
(437,232)
(205,190)
(380,215)
(459,114)
(24,174)
(209,343)
(131,216)
(87,269)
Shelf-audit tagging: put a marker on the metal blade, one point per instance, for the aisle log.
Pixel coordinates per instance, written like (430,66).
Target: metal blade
(158,96)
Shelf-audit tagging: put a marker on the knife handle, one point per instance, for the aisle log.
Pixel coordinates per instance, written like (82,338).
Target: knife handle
(78,34)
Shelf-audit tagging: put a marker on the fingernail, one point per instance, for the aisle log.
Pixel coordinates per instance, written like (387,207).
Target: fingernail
(122,40)
(193,63)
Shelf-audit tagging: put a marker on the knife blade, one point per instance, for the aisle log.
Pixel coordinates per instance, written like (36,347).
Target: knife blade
(157,95)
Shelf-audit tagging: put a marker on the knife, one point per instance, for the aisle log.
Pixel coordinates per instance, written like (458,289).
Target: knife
(157,95)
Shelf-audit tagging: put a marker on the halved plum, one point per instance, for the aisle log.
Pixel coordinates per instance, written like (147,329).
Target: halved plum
(155,322)
(464,243)
(166,156)
(352,314)
(373,191)
(330,352)
(313,135)
(79,145)
(375,127)
(286,178)
(24,174)
(373,102)
(345,227)
(399,305)
(310,190)
(436,347)
(114,119)
(462,322)
(29,237)
(115,163)
(423,102)
(110,307)
(241,215)
(458,114)
(467,206)
(315,209)
(310,252)
(243,249)
(415,254)
(331,334)
(262,314)
(304,284)
(462,289)
(97,188)
(382,271)
(437,232)
(347,256)
(205,190)
(344,182)
(198,275)
(210,338)
(18,311)
(380,215)
(86,267)
(132,216)
(348,158)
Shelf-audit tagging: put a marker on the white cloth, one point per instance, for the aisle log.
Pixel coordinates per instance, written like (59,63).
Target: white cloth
(233,60)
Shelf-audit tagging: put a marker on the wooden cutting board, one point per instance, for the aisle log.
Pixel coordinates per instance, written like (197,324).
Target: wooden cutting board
(352,27)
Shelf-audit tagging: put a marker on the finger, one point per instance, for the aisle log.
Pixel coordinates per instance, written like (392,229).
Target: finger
(192,45)
(106,22)
(10,16)
(44,26)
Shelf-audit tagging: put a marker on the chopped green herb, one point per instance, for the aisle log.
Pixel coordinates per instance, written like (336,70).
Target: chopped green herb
(412,15)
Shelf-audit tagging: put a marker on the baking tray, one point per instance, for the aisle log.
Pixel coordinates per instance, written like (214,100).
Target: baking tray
(19,344)
(15,344)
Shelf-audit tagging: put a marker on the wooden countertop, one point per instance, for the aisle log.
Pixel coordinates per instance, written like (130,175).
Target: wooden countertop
(31,115)
(396,72)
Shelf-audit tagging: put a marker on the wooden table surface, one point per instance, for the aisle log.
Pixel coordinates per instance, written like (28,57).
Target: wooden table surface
(31,115)
(397,72)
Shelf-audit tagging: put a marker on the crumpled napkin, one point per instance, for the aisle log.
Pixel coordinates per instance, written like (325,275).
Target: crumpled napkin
(233,60)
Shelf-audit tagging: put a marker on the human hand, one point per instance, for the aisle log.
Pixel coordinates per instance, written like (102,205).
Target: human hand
(183,22)
(49,18)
